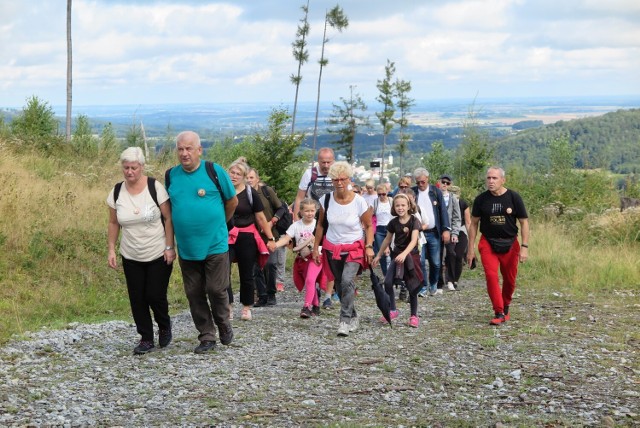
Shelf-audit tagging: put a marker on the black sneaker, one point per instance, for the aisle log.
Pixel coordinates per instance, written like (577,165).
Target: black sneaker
(271,300)
(315,310)
(225,331)
(306,313)
(164,338)
(262,301)
(205,346)
(402,296)
(143,347)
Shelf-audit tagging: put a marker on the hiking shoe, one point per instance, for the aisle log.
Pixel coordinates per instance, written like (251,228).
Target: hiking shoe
(343,329)
(271,300)
(335,297)
(262,301)
(279,286)
(402,296)
(306,312)
(246,314)
(393,314)
(315,310)
(143,347)
(225,331)
(507,317)
(450,286)
(499,319)
(414,321)
(327,304)
(164,338)
(422,292)
(355,323)
(436,292)
(205,346)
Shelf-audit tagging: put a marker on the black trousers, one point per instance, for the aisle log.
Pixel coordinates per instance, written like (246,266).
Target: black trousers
(456,253)
(266,278)
(147,284)
(245,253)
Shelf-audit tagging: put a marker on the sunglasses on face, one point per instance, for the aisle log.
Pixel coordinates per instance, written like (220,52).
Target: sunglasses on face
(445,182)
(403,187)
(382,194)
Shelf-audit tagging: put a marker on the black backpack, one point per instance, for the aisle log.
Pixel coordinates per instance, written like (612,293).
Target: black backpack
(286,220)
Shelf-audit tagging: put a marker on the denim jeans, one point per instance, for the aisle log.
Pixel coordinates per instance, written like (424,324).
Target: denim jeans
(431,251)
(345,274)
(381,233)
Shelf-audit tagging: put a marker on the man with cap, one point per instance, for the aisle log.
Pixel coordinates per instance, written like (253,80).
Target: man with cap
(453,210)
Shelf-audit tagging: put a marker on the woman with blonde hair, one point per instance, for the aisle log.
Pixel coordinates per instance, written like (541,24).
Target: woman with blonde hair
(246,246)
(343,215)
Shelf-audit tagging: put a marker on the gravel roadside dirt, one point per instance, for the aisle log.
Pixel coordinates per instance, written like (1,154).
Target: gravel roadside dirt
(558,362)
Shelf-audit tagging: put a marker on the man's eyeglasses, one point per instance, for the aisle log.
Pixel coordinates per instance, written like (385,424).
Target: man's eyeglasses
(445,182)
(422,182)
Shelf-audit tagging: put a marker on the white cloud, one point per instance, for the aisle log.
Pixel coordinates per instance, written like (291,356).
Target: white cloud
(185,51)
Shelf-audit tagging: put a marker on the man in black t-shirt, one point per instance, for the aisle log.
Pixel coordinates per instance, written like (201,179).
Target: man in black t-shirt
(496,211)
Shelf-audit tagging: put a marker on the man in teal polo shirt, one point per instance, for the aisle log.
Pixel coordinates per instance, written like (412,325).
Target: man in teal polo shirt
(200,214)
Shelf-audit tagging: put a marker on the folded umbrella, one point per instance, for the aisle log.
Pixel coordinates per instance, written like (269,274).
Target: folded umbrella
(382,298)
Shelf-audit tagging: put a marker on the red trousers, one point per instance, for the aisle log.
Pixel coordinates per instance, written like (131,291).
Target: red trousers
(508,265)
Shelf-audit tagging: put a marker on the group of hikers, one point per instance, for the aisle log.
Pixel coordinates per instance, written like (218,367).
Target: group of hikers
(420,235)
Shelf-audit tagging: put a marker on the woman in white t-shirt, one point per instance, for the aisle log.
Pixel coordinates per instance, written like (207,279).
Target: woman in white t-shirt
(382,212)
(345,250)
(146,246)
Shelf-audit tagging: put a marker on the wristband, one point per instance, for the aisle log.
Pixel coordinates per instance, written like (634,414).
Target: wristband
(524,245)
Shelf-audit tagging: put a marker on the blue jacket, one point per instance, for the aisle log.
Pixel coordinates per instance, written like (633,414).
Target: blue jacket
(439,208)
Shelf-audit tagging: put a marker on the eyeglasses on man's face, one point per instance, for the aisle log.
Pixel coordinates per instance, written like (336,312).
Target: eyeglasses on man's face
(421,181)
(445,182)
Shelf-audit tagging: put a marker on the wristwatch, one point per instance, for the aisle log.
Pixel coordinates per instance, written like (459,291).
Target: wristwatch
(369,246)
(273,238)
(168,247)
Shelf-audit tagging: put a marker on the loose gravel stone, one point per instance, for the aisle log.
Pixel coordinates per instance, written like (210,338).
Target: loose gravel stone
(285,371)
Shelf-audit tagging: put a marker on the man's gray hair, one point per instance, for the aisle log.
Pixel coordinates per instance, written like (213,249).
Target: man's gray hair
(188,134)
(499,169)
(419,172)
(132,154)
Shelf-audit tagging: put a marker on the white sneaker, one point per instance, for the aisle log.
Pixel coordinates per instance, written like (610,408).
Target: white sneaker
(450,286)
(437,292)
(343,329)
(355,323)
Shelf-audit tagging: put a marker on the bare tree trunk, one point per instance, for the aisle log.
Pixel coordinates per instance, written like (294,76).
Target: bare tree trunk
(315,126)
(69,63)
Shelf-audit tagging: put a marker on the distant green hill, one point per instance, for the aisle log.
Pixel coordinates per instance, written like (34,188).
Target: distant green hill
(610,141)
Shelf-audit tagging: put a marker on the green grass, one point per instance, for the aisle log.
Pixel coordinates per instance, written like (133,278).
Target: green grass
(53,221)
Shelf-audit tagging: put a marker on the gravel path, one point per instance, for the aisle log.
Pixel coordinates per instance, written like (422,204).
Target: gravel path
(557,363)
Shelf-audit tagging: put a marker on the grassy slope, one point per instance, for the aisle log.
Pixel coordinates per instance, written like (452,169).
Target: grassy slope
(53,268)
(53,221)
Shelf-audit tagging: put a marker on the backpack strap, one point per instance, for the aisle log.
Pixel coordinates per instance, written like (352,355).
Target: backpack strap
(167,178)
(151,185)
(116,191)
(325,222)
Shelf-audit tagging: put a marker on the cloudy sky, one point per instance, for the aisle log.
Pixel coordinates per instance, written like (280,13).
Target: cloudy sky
(150,52)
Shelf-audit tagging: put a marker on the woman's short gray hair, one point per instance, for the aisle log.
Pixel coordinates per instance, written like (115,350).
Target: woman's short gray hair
(340,168)
(132,154)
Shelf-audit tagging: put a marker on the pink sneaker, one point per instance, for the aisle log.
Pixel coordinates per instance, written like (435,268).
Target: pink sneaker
(394,315)
(414,321)
(279,286)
